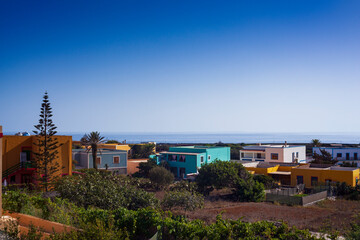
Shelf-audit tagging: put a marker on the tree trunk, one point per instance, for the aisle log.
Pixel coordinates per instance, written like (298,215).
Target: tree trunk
(94,155)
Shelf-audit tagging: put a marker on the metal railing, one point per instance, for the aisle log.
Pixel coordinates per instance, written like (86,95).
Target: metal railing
(17,167)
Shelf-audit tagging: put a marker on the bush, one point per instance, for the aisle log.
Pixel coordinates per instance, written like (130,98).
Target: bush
(267,181)
(183,199)
(184,185)
(161,177)
(104,191)
(144,169)
(220,174)
(249,191)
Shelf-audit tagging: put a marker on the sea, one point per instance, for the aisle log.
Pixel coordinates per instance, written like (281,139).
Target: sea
(350,138)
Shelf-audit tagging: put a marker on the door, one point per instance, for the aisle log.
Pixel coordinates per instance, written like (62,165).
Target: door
(182,172)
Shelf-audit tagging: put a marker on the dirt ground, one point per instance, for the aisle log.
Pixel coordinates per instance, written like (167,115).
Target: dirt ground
(336,215)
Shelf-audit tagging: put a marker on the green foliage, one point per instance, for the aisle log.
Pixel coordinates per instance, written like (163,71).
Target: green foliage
(220,174)
(144,168)
(249,190)
(184,185)
(103,190)
(161,177)
(267,181)
(112,142)
(91,141)
(316,142)
(142,150)
(323,158)
(347,164)
(186,200)
(46,156)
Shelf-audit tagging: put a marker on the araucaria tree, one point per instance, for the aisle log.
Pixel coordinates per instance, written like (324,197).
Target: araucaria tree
(91,141)
(46,153)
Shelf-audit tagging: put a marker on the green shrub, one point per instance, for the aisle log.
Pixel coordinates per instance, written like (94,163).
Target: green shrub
(184,185)
(183,199)
(267,181)
(249,191)
(104,191)
(161,177)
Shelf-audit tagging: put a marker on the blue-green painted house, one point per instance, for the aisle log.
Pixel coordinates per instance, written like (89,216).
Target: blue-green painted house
(113,160)
(188,159)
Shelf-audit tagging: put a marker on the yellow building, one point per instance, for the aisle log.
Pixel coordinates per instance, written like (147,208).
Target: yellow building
(17,156)
(308,174)
(311,176)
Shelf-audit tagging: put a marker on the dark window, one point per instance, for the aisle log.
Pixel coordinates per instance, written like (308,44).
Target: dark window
(258,155)
(274,156)
(299,180)
(339,155)
(242,155)
(174,171)
(355,156)
(182,172)
(201,159)
(347,156)
(182,158)
(13,179)
(116,159)
(98,160)
(314,181)
(172,158)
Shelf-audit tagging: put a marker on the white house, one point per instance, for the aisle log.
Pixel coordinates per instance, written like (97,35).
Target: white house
(274,153)
(342,154)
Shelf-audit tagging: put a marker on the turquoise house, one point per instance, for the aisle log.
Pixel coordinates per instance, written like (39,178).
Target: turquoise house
(112,160)
(188,159)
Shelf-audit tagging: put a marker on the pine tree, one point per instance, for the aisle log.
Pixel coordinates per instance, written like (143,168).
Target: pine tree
(47,144)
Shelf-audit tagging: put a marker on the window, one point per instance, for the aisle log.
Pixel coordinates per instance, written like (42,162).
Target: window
(297,155)
(293,156)
(174,171)
(182,158)
(314,181)
(98,160)
(182,172)
(258,155)
(274,156)
(242,155)
(209,158)
(339,155)
(347,156)
(201,159)
(299,180)
(116,159)
(173,158)
(355,156)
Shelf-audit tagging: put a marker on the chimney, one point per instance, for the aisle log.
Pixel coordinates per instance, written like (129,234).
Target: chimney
(285,143)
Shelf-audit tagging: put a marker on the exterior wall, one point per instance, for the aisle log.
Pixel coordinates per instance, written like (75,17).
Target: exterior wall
(263,171)
(279,151)
(1,169)
(108,158)
(349,177)
(14,145)
(193,157)
(334,153)
(81,159)
(301,150)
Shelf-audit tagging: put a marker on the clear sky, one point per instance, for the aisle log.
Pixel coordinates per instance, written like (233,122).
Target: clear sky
(181,66)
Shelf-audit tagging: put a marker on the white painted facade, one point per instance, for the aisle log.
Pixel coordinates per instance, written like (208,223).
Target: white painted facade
(341,154)
(274,153)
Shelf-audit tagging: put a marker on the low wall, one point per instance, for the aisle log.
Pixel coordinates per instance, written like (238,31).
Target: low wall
(296,200)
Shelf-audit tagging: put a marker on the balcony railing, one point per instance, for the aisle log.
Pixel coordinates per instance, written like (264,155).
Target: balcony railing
(17,167)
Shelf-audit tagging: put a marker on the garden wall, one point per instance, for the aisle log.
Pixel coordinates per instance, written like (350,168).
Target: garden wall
(296,200)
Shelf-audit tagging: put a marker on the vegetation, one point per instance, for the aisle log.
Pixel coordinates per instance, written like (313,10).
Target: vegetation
(184,186)
(323,158)
(161,177)
(144,168)
(316,142)
(142,150)
(267,181)
(91,141)
(188,201)
(102,190)
(45,158)
(112,141)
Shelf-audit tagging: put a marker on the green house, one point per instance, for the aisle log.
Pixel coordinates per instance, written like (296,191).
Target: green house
(188,159)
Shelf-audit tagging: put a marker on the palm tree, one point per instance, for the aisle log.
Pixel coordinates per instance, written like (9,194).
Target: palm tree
(91,141)
(316,142)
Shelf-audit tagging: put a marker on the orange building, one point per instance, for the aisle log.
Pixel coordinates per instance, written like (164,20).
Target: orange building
(17,157)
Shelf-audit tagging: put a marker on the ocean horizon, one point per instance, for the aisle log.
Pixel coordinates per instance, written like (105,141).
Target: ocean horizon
(350,138)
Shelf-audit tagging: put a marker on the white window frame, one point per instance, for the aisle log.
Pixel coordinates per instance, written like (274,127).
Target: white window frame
(209,158)
(114,159)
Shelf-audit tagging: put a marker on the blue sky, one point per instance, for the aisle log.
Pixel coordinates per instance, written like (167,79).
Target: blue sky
(181,66)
